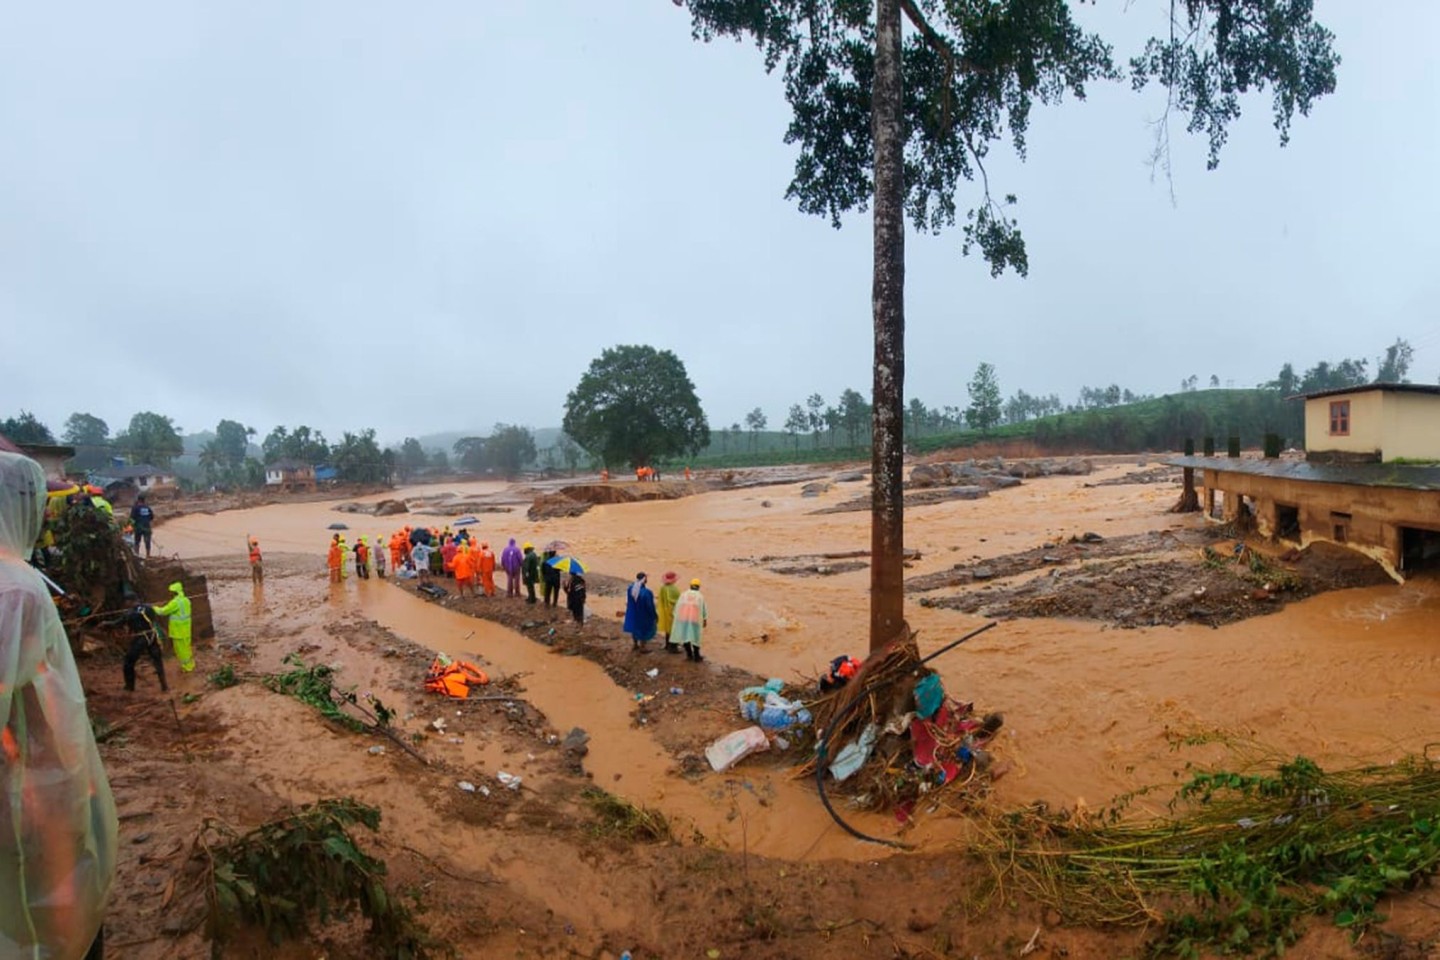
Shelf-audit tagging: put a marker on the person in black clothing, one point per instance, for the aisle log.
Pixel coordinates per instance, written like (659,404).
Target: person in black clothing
(530,572)
(144,641)
(575,597)
(142,518)
(551,581)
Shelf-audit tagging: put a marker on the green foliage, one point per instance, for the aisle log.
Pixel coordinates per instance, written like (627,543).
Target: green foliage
(616,817)
(304,868)
(509,449)
(315,684)
(91,555)
(358,458)
(984,389)
(151,438)
(1395,364)
(1244,856)
(26,429)
(303,445)
(85,429)
(412,458)
(635,404)
(224,677)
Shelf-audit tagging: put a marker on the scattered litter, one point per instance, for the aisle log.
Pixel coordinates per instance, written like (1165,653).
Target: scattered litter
(454,740)
(376,750)
(676,691)
(734,747)
(438,724)
(772,711)
(781,743)
(854,754)
(653,672)
(467,786)
(508,780)
(485,790)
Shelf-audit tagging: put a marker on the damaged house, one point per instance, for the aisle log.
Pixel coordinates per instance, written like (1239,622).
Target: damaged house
(1370,478)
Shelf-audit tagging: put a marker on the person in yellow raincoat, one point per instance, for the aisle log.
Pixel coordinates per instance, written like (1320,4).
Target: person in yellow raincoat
(177,625)
(665,600)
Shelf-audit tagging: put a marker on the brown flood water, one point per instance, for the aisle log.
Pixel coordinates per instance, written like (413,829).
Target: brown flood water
(1346,677)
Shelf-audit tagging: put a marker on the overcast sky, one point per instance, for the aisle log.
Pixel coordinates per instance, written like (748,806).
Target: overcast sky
(424,217)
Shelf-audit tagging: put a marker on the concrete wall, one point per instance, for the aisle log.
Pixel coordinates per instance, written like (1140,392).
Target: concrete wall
(1411,426)
(1367,424)
(1376,514)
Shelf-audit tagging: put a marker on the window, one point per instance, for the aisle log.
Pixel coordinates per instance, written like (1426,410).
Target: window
(1340,418)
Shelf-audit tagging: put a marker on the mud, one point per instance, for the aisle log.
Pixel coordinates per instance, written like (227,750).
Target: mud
(757,869)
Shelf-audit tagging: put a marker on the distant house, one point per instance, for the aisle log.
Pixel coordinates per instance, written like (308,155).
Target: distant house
(122,485)
(1370,480)
(50,456)
(290,475)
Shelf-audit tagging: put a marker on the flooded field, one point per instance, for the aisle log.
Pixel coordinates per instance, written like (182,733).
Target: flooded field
(1092,710)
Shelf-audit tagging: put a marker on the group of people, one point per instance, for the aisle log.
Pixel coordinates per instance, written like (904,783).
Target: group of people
(679,617)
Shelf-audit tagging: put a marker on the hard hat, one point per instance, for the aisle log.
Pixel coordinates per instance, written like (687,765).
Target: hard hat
(529,545)
(695,584)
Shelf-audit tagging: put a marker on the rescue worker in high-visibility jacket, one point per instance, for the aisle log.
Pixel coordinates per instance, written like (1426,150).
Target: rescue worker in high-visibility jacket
(177,625)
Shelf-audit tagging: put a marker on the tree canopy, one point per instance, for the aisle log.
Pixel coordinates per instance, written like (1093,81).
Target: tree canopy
(303,445)
(984,389)
(634,404)
(897,122)
(151,438)
(26,428)
(83,429)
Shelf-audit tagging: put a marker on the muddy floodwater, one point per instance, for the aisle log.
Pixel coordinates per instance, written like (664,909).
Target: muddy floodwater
(1091,711)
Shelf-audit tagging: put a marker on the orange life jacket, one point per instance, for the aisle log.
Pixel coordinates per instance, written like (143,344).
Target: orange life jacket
(454,679)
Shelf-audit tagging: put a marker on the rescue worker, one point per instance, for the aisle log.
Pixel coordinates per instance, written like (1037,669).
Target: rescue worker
(395,550)
(665,609)
(465,570)
(448,550)
(257,572)
(575,597)
(530,571)
(551,580)
(510,561)
(379,550)
(144,641)
(420,553)
(344,557)
(691,618)
(487,569)
(142,520)
(362,559)
(332,560)
(58,827)
(177,625)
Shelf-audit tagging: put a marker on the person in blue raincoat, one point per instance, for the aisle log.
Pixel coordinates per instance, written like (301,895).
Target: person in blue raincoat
(640,614)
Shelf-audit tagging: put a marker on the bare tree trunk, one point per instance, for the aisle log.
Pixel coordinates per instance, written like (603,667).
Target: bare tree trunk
(887,523)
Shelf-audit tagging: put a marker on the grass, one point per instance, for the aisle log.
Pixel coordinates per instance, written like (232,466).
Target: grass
(619,818)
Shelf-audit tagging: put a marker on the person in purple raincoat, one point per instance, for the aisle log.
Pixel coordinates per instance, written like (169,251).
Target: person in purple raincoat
(510,560)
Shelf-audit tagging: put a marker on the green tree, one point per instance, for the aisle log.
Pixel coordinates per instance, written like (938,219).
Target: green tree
(633,404)
(212,461)
(815,411)
(854,415)
(470,453)
(151,438)
(358,459)
(984,389)
(896,123)
(412,458)
(570,451)
(303,445)
(234,442)
(439,460)
(83,429)
(755,420)
(26,429)
(510,448)
(795,423)
(1395,364)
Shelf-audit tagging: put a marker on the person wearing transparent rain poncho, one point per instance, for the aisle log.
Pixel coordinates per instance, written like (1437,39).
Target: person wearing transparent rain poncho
(57,816)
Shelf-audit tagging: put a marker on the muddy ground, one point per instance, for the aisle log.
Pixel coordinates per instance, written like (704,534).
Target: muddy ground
(753,867)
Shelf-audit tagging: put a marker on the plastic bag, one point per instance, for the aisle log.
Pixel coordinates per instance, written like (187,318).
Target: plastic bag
(734,747)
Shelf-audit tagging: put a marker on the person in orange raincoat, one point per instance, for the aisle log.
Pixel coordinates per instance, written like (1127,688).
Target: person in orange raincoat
(333,559)
(487,569)
(464,566)
(395,550)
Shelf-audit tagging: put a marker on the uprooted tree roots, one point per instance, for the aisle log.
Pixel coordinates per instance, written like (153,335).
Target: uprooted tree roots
(289,873)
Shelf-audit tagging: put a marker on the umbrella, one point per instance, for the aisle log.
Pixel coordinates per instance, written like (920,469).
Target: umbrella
(465,521)
(338,526)
(559,546)
(567,565)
